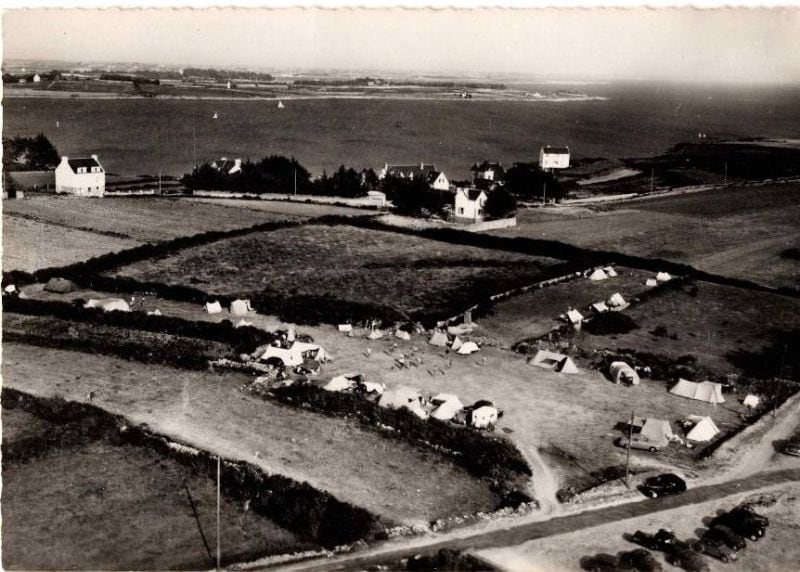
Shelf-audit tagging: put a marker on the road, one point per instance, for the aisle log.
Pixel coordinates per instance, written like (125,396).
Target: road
(559,525)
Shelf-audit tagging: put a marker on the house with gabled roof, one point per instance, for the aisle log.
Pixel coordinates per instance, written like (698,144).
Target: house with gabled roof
(438,181)
(553,158)
(228,166)
(469,204)
(487,171)
(84,177)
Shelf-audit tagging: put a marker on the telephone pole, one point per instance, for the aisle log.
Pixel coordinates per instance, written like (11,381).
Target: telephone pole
(544,192)
(219,552)
(628,455)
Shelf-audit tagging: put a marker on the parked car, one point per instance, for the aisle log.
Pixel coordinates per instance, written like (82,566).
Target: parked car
(716,548)
(726,535)
(663,485)
(792,447)
(604,563)
(663,540)
(743,521)
(640,560)
(638,442)
(688,559)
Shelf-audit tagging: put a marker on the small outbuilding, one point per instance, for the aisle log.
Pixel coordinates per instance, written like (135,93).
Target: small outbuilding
(345,328)
(650,282)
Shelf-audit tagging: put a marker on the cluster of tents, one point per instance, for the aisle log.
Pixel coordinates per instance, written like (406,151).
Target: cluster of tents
(292,354)
(660,277)
(443,406)
(442,339)
(697,428)
(602,273)
(614,304)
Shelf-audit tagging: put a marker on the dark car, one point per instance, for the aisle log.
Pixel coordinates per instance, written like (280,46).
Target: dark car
(640,560)
(726,535)
(604,563)
(743,521)
(663,540)
(688,559)
(792,447)
(663,485)
(716,548)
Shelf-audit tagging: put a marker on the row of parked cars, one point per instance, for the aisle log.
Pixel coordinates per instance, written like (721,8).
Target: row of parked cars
(726,536)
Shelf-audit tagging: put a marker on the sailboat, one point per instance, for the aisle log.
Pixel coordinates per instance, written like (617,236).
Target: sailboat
(280,104)
(215,116)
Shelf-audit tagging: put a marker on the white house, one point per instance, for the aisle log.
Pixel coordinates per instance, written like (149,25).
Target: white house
(37,78)
(438,181)
(228,166)
(553,157)
(487,171)
(406,171)
(469,204)
(81,177)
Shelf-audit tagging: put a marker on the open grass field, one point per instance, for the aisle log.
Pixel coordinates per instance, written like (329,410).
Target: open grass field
(729,330)
(408,273)
(778,551)
(100,506)
(737,232)
(398,482)
(536,312)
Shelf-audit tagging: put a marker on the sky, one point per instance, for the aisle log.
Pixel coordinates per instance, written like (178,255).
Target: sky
(723,45)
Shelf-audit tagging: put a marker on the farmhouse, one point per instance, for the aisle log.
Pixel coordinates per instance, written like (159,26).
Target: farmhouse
(406,171)
(81,177)
(469,204)
(438,181)
(228,166)
(553,158)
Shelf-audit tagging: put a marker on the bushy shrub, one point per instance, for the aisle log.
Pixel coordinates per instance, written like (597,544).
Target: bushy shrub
(446,559)
(610,323)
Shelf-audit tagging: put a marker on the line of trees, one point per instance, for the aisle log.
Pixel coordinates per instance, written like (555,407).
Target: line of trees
(29,154)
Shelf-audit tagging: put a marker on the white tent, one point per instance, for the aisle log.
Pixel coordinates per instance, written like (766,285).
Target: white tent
(402,334)
(651,282)
(468,348)
(213,307)
(751,400)
(375,335)
(574,317)
(483,417)
(446,406)
(241,323)
(403,397)
(609,270)
(598,274)
(343,382)
(621,372)
(457,343)
(657,431)
(345,328)
(310,350)
(617,301)
(663,277)
(439,338)
(155,312)
(704,429)
(553,361)
(240,307)
(567,366)
(600,307)
(289,357)
(109,305)
(460,329)
(10,289)
(704,391)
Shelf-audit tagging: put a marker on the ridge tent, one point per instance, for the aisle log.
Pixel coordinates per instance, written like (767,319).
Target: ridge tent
(751,400)
(567,366)
(402,335)
(609,270)
(483,417)
(213,307)
(446,405)
(621,372)
(403,397)
(651,282)
(240,307)
(59,285)
(600,307)
(155,312)
(553,361)
(375,335)
(457,343)
(598,274)
(438,338)
(343,382)
(663,277)
(617,301)
(657,430)
(574,317)
(704,429)
(345,328)
(468,348)
(703,391)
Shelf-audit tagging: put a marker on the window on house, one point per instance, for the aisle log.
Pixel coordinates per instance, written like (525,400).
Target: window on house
(460,210)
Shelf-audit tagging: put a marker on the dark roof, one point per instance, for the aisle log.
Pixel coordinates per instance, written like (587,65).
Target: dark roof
(484,184)
(473,194)
(418,170)
(486,165)
(556,150)
(433,175)
(75,164)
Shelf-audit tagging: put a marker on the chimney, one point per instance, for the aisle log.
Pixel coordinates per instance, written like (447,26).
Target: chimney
(237,162)
(64,159)
(95,158)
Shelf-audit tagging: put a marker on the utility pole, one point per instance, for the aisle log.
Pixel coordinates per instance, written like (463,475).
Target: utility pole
(295,182)
(628,455)
(194,143)
(219,553)
(652,177)
(725,184)
(544,192)
(159,181)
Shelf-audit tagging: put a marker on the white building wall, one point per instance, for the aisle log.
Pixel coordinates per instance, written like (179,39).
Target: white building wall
(79,184)
(467,209)
(553,160)
(441,183)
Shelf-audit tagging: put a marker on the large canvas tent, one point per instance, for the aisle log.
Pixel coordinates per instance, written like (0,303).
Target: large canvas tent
(240,307)
(703,391)
(343,382)
(109,305)
(59,286)
(704,429)
(621,372)
(554,361)
(439,339)
(446,406)
(375,335)
(616,301)
(657,431)
(403,397)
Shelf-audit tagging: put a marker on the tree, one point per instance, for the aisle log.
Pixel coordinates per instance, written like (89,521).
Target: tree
(527,181)
(413,197)
(29,154)
(500,204)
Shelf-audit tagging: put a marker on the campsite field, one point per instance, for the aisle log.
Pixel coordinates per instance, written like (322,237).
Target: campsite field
(737,232)
(536,312)
(407,273)
(728,330)
(778,551)
(401,483)
(76,506)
